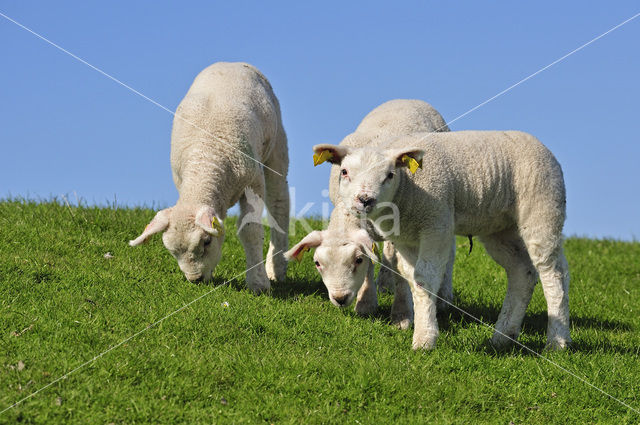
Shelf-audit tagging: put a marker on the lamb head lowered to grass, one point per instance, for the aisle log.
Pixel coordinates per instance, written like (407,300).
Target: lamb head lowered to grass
(227,145)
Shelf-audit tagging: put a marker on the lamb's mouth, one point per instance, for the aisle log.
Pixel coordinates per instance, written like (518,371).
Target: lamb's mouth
(342,301)
(198,277)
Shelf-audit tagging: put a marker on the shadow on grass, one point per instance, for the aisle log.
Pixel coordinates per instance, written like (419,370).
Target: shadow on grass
(533,349)
(534,324)
(289,289)
(454,319)
(215,281)
(293,288)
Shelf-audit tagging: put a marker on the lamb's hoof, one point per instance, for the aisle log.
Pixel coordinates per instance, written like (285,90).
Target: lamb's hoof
(276,270)
(557,343)
(502,341)
(402,324)
(426,342)
(366,308)
(402,319)
(260,286)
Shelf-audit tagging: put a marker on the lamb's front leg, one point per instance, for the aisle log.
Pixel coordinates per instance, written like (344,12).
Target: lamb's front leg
(425,283)
(423,287)
(251,235)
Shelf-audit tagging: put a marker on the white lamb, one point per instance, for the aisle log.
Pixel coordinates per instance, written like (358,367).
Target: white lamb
(227,145)
(343,248)
(505,187)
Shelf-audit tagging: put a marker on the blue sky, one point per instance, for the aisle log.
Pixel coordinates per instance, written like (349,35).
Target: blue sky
(67,130)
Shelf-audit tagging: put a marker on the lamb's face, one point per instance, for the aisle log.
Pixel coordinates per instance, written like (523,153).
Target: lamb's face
(343,267)
(367,179)
(193,234)
(197,251)
(342,258)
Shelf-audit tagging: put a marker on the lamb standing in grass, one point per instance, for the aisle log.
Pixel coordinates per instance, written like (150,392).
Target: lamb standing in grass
(342,249)
(227,145)
(505,187)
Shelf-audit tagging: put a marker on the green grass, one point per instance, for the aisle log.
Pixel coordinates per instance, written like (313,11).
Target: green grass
(290,357)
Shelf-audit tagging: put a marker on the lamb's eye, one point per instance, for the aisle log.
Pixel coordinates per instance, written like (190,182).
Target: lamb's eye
(359,260)
(207,242)
(390,176)
(317,263)
(344,172)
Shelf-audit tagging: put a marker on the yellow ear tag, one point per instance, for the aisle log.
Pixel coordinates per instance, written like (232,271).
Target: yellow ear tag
(215,224)
(411,163)
(321,157)
(375,249)
(300,254)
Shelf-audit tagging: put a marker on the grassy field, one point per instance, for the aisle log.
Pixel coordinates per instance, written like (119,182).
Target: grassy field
(290,357)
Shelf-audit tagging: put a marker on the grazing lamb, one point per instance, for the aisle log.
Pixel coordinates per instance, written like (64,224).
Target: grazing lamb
(342,249)
(227,145)
(505,187)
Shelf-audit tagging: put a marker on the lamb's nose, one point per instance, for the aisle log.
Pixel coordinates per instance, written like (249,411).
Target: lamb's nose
(342,299)
(366,201)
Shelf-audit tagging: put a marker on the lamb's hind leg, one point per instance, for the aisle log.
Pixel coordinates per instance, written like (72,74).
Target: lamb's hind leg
(251,235)
(555,284)
(508,250)
(277,201)
(545,248)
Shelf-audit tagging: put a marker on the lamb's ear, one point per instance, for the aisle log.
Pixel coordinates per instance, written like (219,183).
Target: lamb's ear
(312,240)
(408,157)
(329,153)
(209,221)
(362,238)
(159,224)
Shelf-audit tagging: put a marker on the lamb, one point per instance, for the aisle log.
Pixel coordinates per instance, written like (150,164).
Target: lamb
(227,145)
(342,249)
(504,186)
